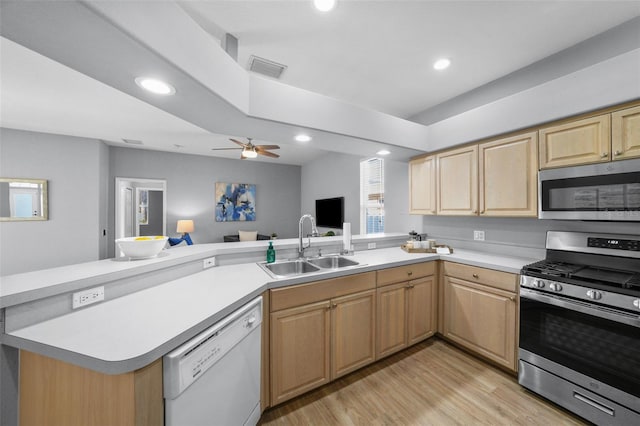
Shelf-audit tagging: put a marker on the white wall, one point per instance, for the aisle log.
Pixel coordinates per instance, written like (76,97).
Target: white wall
(73,232)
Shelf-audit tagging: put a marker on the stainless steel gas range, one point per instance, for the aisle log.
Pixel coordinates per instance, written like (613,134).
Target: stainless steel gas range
(580,326)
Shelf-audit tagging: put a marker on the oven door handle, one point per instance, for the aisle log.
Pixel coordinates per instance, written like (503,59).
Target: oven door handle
(584,307)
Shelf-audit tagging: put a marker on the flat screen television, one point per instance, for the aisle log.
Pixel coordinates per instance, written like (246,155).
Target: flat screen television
(330,212)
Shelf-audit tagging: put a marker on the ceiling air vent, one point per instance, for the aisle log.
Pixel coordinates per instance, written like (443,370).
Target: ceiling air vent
(266,67)
(132,142)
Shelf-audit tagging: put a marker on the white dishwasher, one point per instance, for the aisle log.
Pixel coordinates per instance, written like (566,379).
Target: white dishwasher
(214,379)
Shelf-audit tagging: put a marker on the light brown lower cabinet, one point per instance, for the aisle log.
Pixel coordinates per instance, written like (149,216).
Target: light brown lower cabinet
(314,343)
(406,314)
(481,317)
(53,392)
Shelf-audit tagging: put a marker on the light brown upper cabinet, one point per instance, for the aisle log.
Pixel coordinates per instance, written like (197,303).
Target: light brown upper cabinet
(576,142)
(457,174)
(625,133)
(422,186)
(508,171)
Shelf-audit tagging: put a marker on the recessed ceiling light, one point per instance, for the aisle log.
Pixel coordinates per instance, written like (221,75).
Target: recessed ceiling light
(156,86)
(324,5)
(441,64)
(303,138)
(383,152)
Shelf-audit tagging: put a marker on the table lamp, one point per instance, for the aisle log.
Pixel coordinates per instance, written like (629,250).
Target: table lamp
(184,227)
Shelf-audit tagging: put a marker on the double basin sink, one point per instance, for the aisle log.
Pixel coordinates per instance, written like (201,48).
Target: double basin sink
(292,268)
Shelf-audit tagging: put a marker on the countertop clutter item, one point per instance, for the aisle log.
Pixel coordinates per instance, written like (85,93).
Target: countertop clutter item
(425,247)
(142,247)
(271,253)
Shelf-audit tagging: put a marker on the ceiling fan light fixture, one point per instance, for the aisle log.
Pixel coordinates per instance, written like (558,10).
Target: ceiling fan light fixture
(156,86)
(303,138)
(249,153)
(324,5)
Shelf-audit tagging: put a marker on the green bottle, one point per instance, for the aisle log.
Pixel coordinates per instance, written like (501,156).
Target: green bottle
(271,253)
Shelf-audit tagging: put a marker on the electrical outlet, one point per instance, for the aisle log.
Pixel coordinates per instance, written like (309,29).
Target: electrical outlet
(208,263)
(87,297)
(478,235)
(371,246)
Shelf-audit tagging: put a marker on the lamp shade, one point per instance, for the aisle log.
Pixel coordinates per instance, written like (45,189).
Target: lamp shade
(185,226)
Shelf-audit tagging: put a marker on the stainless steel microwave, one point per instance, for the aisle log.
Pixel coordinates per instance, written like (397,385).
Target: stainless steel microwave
(605,191)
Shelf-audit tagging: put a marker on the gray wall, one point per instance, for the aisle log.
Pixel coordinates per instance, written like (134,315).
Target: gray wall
(73,232)
(336,175)
(511,236)
(333,175)
(191,183)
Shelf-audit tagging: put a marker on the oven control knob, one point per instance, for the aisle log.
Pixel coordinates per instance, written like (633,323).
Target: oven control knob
(636,303)
(538,284)
(555,287)
(594,294)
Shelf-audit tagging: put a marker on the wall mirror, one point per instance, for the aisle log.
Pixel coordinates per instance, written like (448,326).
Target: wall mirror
(23,199)
(140,207)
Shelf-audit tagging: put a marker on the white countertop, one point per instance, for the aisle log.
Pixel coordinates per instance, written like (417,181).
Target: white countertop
(129,332)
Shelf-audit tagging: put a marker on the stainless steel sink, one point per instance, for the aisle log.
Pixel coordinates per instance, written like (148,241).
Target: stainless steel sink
(332,262)
(289,268)
(292,268)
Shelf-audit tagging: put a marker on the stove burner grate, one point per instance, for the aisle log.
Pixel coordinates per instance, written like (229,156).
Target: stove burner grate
(555,269)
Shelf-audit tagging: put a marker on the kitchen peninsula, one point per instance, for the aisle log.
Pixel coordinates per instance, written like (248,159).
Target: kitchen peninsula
(152,306)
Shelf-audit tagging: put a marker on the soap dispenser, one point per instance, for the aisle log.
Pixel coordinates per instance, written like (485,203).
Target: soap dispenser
(271,253)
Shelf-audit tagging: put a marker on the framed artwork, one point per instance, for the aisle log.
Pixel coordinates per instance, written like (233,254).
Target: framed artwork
(235,202)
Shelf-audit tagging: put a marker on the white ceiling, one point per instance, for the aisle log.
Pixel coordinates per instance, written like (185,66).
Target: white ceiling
(377,54)
(380,54)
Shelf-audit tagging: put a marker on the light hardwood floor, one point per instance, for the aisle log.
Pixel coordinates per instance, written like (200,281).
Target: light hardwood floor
(432,383)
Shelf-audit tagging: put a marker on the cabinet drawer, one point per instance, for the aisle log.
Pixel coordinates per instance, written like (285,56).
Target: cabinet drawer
(490,277)
(296,295)
(404,273)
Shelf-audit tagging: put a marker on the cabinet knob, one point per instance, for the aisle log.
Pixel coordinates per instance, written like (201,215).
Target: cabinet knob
(512,298)
(410,286)
(618,153)
(476,276)
(605,155)
(334,305)
(409,273)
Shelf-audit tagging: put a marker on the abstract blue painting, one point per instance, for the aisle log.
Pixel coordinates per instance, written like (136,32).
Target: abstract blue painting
(235,202)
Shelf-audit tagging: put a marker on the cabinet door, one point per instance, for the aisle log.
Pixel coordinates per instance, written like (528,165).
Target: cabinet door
(421,309)
(577,142)
(457,172)
(55,393)
(508,176)
(353,322)
(300,342)
(422,186)
(482,319)
(625,133)
(392,313)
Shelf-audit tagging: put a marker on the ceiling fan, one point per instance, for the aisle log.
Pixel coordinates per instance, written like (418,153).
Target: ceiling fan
(249,150)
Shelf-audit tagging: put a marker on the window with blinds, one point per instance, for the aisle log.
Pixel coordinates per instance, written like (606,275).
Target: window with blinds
(372,196)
